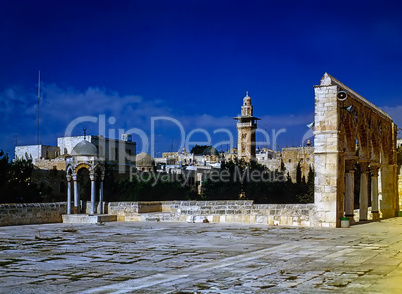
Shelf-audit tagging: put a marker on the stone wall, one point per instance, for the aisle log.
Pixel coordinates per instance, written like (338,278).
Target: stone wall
(217,211)
(173,211)
(293,155)
(400,190)
(129,211)
(31,213)
(58,163)
(245,212)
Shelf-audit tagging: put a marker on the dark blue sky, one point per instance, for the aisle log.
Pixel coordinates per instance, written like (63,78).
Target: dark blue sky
(190,60)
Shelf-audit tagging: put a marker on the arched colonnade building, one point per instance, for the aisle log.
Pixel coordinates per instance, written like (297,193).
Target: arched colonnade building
(352,136)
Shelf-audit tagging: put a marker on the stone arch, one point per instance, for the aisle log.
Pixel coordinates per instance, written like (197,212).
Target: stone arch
(70,170)
(375,148)
(348,134)
(362,134)
(81,166)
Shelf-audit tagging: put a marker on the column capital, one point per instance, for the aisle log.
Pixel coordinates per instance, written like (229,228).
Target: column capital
(92,176)
(74,177)
(350,165)
(374,167)
(68,177)
(364,166)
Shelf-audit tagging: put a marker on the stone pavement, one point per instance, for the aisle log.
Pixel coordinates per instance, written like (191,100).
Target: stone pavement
(155,257)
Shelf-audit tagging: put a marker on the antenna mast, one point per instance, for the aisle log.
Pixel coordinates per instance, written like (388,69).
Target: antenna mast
(38,112)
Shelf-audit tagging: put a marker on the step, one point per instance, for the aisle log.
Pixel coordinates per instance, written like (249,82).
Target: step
(88,219)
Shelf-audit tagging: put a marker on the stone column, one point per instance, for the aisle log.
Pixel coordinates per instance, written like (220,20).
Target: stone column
(68,194)
(363,197)
(101,195)
(76,195)
(350,188)
(374,190)
(92,177)
(388,202)
(400,188)
(328,173)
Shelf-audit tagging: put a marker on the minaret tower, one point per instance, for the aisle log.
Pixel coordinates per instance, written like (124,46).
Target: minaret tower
(246,126)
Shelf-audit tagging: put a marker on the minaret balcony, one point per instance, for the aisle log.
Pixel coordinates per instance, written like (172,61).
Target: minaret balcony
(246,124)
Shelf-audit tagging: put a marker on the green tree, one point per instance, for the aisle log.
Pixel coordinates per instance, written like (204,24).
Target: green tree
(306,194)
(15,180)
(154,187)
(198,150)
(298,174)
(225,183)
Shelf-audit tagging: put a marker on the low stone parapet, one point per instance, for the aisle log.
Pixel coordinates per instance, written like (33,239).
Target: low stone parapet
(31,213)
(175,211)
(246,212)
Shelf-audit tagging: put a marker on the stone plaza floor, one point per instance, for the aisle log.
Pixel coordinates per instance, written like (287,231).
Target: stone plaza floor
(157,257)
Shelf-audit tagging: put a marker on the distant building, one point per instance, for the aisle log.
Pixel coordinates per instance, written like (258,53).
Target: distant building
(246,126)
(292,156)
(53,157)
(269,158)
(52,162)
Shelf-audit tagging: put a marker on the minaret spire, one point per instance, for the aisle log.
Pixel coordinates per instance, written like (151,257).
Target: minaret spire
(246,126)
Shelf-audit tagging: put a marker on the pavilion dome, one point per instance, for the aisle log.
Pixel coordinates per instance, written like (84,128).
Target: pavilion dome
(210,151)
(84,148)
(144,159)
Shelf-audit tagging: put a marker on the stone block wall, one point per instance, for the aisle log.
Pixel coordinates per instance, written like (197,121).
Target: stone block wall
(129,211)
(327,169)
(58,163)
(125,211)
(293,155)
(400,190)
(31,213)
(218,211)
(245,212)
(178,211)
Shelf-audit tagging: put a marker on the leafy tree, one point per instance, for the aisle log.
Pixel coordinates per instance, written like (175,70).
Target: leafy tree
(225,183)
(306,192)
(15,180)
(267,187)
(4,170)
(298,174)
(154,187)
(198,150)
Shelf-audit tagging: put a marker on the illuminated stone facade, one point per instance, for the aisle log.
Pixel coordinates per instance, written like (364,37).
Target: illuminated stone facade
(246,126)
(350,132)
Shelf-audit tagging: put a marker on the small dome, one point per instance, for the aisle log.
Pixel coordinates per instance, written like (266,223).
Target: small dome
(210,151)
(247,99)
(144,159)
(84,148)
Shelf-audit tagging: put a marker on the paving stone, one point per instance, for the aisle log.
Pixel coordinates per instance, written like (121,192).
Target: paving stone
(136,257)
